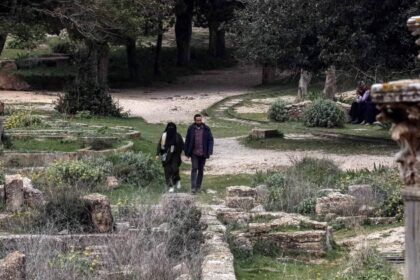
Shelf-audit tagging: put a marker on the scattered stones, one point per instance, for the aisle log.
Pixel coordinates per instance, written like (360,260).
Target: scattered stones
(258,133)
(112,182)
(12,267)
(258,209)
(13,192)
(296,110)
(337,203)
(100,210)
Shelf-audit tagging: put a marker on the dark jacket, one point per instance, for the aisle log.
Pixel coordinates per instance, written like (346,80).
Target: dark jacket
(175,157)
(208,141)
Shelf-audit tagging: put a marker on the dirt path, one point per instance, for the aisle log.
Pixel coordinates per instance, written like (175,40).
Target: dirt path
(230,157)
(180,101)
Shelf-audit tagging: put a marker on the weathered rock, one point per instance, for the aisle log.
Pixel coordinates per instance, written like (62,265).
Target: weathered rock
(32,197)
(361,191)
(242,244)
(100,210)
(12,267)
(184,277)
(244,203)
(122,227)
(241,191)
(258,209)
(337,203)
(111,182)
(366,210)
(181,269)
(325,192)
(257,133)
(382,220)
(13,190)
(234,217)
(12,81)
(296,110)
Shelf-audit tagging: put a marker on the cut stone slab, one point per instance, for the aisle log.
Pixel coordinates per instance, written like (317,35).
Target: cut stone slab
(257,133)
(112,182)
(100,210)
(337,203)
(13,190)
(241,191)
(12,267)
(244,203)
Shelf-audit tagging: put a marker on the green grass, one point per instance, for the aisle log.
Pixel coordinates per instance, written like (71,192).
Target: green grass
(48,145)
(267,268)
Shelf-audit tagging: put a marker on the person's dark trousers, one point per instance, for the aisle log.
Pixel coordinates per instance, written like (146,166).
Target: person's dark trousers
(171,170)
(197,171)
(370,112)
(357,112)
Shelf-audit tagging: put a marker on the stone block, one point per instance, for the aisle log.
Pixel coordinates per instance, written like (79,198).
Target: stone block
(257,133)
(100,210)
(337,203)
(13,190)
(32,197)
(241,191)
(112,182)
(12,267)
(244,203)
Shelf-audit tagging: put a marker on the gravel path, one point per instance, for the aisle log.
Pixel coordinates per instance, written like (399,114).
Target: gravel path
(180,101)
(230,157)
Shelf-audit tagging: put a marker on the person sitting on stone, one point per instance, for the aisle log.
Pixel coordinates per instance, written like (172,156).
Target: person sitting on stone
(363,110)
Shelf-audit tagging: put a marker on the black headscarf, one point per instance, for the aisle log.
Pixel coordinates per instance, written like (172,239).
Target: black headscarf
(171,135)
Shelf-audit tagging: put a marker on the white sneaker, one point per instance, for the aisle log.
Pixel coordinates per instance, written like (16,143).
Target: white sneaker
(171,190)
(178,185)
(363,122)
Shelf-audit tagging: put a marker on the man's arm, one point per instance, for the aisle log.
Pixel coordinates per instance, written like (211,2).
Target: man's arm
(211,142)
(187,143)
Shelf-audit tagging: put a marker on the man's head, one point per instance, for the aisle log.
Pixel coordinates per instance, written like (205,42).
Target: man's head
(198,119)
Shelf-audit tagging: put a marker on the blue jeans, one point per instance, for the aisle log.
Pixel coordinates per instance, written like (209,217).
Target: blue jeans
(197,171)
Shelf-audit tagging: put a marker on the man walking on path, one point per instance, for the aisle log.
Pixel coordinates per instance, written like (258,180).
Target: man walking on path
(198,147)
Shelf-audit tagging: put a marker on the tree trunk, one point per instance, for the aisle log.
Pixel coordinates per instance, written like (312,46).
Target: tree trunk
(103,64)
(183,31)
(305,79)
(156,69)
(217,42)
(133,66)
(88,70)
(3,38)
(268,74)
(330,88)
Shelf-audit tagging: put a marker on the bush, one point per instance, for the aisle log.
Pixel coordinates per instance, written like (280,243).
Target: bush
(84,173)
(21,119)
(296,189)
(88,97)
(64,47)
(368,264)
(278,111)
(135,169)
(323,113)
(386,182)
(315,94)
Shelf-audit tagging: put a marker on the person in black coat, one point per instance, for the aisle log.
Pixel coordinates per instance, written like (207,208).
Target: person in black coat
(199,147)
(169,150)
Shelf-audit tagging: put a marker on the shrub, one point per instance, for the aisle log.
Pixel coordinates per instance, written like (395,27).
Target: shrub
(84,173)
(386,182)
(135,169)
(315,94)
(367,264)
(64,47)
(21,119)
(99,144)
(296,189)
(323,113)
(278,111)
(88,97)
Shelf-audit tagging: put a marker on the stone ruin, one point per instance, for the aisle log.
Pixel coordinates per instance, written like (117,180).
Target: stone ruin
(360,205)
(252,226)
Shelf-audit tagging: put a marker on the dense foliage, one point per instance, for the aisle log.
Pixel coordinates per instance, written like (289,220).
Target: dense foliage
(278,111)
(324,113)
